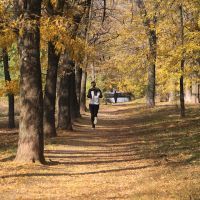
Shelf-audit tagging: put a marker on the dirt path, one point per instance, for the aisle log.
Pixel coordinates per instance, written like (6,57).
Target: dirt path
(134,153)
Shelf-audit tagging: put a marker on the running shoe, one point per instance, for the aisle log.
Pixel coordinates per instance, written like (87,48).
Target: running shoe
(95,120)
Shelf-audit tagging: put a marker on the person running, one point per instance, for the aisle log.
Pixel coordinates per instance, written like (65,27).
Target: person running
(94,94)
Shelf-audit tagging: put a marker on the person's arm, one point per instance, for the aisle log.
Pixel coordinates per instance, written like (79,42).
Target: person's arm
(100,96)
(89,94)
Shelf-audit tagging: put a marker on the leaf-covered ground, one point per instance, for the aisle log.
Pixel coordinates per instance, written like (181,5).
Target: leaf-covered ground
(135,153)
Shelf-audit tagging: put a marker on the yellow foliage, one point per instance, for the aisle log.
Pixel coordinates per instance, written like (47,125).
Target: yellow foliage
(6,32)
(128,54)
(58,29)
(7,87)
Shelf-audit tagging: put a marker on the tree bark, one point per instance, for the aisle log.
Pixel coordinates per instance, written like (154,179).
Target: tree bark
(78,74)
(182,98)
(11,100)
(51,78)
(64,114)
(151,34)
(50,92)
(87,21)
(83,92)
(151,89)
(31,142)
(74,106)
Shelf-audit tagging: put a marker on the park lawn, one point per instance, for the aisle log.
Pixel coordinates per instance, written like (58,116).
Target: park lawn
(135,153)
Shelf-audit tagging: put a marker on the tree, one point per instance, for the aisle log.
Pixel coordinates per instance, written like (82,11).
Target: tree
(85,34)
(6,40)
(150,24)
(70,108)
(182,98)
(64,111)
(78,76)
(83,91)
(51,77)
(50,92)
(11,108)
(74,105)
(30,144)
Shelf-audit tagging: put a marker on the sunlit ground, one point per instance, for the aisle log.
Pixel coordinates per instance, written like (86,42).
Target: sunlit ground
(135,153)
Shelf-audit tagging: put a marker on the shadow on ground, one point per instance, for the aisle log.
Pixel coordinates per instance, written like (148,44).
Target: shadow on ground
(125,134)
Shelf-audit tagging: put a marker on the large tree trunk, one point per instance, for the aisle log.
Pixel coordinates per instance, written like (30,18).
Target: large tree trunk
(50,92)
(64,115)
(67,91)
(31,144)
(11,107)
(83,91)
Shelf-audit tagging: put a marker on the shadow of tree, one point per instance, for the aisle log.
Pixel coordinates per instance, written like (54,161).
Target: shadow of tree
(131,135)
(75,174)
(149,134)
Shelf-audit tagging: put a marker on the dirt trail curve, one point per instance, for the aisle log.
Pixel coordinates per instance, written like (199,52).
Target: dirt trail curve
(126,157)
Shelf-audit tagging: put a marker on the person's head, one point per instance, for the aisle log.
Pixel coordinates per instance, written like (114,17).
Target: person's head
(93,84)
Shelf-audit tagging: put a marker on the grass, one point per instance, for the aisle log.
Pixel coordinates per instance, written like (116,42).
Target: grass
(135,153)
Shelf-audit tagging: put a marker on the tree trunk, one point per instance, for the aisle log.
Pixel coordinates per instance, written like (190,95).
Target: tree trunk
(64,115)
(78,82)
(11,107)
(151,34)
(31,144)
(151,89)
(83,92)
(50,92)
(151,86)
(182,98)
(74,106)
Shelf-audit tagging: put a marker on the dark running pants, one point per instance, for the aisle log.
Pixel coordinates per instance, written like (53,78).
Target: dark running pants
(94,111)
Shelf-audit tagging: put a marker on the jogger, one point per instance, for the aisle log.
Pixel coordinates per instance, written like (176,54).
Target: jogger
(94,94)
(94,111)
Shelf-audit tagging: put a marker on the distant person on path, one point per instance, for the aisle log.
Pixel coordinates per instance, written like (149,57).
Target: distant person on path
(115,96)
(94,94)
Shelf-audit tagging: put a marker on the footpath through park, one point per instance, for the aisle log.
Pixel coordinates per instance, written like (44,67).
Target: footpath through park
(134,153)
